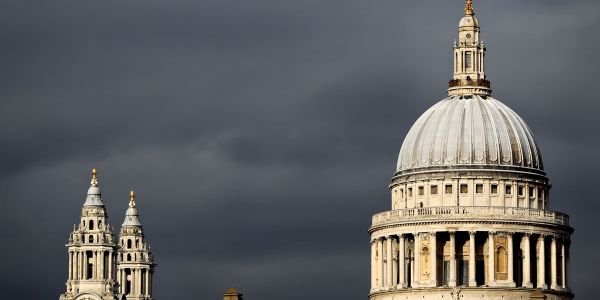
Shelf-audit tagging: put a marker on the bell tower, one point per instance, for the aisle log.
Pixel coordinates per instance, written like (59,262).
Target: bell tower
(135,264)
(91,249)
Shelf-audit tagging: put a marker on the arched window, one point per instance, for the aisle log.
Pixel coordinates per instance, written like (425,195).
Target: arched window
(502,260)
(99,224)
(91,238)
(91,224)
(128,257)
(137,243)
(128,244)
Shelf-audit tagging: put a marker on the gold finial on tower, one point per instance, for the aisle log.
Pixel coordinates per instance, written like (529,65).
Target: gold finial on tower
(469,8)
(94,177)
(132,199)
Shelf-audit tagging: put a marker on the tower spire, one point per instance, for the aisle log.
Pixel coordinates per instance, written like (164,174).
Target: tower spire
(132,199)
(94,177)
(469,8)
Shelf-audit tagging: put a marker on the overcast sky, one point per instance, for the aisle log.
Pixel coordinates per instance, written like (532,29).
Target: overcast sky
(260,136)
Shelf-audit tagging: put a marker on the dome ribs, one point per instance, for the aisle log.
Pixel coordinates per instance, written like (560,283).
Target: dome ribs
(469,131)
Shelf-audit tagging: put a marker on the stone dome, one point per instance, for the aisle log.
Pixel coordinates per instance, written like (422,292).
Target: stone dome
(468,21)
(469,132)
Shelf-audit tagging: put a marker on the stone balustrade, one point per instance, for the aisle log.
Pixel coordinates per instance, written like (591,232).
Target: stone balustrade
(470,213)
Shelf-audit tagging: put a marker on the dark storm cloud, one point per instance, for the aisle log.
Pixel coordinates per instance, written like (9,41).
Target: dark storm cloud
(260,135)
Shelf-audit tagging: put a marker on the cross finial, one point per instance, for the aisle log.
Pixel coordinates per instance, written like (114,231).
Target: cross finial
(94,177)
(469,8)
(132,199)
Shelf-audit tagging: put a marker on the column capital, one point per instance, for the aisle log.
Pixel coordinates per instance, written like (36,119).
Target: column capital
(527,234)
(472,232)
(451,232)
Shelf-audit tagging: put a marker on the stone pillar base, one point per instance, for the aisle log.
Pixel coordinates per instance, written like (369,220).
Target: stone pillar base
(528,285)
(472,283)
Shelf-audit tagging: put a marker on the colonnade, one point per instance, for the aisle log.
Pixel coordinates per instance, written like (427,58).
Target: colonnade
(487,258)
(140,281)
(101,262)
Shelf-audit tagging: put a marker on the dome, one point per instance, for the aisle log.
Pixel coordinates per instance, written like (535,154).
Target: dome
(468,21)
(469,132)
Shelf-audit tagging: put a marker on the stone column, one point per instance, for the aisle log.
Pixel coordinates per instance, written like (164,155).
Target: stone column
(472,281)
(491,259)
(401,262)
(452,281)
(433,246)
(110,257)
(79,266)
(373,263)
(511,249)
(101,264)
(527,261)
(381,265)
(147,282)
(568,269)
(417,261)
(70,265)
(389,264)
(541,275)
(553,260)
(563,265)
(84,265)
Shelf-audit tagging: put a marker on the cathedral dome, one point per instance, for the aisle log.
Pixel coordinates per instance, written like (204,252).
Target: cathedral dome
(469,132)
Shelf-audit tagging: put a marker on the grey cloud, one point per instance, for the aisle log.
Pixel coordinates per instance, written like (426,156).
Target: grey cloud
(260,136)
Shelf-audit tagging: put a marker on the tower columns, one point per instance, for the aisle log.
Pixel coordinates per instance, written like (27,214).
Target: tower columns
(401,262)
(389,263)
(472,281)
(541,274)
(491,259)
(563,266)
(511,280)
(70,265)
(527,261)
(433,246)
(553,260)
(452,281)
(417,261)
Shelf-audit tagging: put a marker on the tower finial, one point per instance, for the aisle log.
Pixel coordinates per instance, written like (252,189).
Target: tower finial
(94,177)
(132,199)
(469,8)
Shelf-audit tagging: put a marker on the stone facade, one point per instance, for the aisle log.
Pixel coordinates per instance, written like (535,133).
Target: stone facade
(470,214)
(101,268)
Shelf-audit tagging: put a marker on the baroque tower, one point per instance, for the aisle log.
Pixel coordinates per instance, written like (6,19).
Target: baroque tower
(470,213)
(135,262)
(92,250)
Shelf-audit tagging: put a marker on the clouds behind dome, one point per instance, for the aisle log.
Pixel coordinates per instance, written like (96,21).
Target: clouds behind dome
(260,135)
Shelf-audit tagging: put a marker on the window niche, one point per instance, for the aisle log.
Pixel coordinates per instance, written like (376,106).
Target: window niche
(448,189)
(434,189)
(464,188)
(508,189)
(479,188)
(494,189)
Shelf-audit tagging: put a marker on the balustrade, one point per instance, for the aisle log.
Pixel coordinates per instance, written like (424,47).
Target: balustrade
(470,212)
